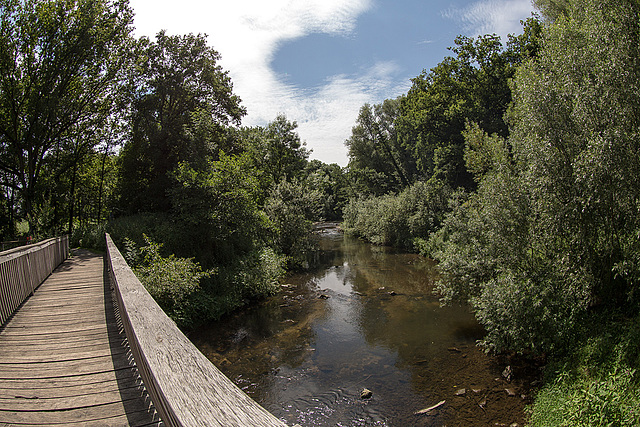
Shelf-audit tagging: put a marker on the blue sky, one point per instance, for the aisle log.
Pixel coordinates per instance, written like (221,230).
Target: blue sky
(319,61)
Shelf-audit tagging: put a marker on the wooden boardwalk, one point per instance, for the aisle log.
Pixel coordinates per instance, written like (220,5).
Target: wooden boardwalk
(64,358)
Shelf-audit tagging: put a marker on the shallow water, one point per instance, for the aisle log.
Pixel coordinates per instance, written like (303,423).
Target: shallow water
(366,318)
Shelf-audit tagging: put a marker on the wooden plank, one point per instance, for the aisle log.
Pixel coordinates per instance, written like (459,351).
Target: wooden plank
(62,338)
(185,386)
(41,320)
(66,347)
(52,303)
(65,382)
(71,368)
(45,332)
(57,294)
(70,390)
(99,415)
(33,402)
(64,359)
(51,355)
(118,421)
(46,346)
(62,311)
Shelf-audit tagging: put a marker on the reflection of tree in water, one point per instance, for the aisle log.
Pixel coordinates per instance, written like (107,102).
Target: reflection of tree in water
(250,346)
(435,344)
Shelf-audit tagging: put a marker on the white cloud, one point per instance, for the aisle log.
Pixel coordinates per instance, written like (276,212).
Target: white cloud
(247,33)
(332,111)
(501,17)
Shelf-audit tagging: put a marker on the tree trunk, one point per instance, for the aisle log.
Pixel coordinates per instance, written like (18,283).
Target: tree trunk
(72,197)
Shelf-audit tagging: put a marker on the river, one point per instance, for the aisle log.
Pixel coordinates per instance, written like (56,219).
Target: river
(366,318)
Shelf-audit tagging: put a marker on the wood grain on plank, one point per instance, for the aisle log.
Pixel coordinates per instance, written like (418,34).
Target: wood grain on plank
(187,389)
(64,358)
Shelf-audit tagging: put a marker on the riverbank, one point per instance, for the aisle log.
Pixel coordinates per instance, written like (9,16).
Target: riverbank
(596,382)
(367,318)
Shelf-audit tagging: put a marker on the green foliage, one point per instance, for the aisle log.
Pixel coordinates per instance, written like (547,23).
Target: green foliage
(292,207)
(60,63)
(182,105)
(402,220)
(377,162)
(276,152)
(473,86)
(169,280)
(583,168)
(597,383)
(332,183)
(215,210)
(553,227)
(90,236)
(252,276)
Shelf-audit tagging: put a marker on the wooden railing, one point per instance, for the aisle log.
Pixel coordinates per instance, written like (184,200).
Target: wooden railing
(185,387)
(23,269)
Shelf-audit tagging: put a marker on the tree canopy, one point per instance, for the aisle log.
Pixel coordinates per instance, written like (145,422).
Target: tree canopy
(182,103)
(553,227)
(59,62)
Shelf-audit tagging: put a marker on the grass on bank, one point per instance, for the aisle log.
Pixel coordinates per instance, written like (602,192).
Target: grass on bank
(598,382)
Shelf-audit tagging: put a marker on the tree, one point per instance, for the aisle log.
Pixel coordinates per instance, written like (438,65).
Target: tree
(331,181)
(182,104)
(277,150)
(472,87)
(292,208)
(554,229)
(374,151)
(58,63)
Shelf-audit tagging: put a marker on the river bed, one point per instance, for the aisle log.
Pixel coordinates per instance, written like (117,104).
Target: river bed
(366,317)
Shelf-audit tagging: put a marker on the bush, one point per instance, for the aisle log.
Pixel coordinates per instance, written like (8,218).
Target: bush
(597,384)
(404,220)
(169,280)
(90,236)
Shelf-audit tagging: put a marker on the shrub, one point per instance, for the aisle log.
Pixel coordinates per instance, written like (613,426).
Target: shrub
(404,220)
(90,236)
(597,383)
(169,280)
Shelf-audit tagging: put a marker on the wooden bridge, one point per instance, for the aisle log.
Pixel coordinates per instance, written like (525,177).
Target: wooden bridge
(83,343)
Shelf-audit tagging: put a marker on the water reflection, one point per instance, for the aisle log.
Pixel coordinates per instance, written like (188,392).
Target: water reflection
(366,317)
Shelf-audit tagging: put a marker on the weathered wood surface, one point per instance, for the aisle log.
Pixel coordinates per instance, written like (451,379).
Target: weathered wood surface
(186,388)
(64,358)
(23,269)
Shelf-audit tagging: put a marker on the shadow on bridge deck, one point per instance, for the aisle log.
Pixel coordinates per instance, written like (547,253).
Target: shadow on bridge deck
(64,358)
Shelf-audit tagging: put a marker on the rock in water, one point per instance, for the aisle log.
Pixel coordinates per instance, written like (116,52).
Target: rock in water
(507,373)
(366,394)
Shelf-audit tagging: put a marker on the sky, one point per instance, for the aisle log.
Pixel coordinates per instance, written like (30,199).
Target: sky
(319,61)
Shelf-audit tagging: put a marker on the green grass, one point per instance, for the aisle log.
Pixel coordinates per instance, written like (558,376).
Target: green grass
(598,382)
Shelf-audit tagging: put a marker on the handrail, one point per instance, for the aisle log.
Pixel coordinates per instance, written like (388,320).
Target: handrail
(185,387)
(23,269)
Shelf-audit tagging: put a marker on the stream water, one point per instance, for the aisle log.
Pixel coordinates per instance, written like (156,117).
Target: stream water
(366,318)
